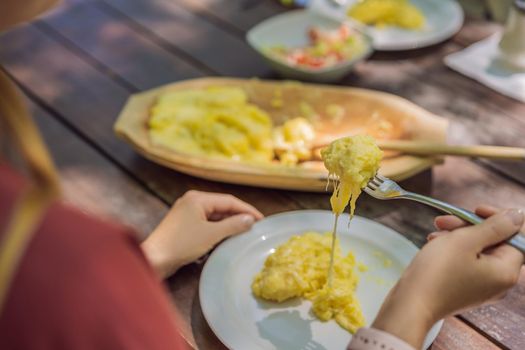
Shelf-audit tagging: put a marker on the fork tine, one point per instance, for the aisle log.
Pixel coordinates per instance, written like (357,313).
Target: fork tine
(376,182)
(372,185)
(372,192)
(381,187)
(381,177)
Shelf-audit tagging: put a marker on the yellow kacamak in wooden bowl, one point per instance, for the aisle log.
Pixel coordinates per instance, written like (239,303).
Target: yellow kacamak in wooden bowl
(332,111)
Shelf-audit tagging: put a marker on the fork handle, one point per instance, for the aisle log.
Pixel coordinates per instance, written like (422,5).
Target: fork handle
(517,241)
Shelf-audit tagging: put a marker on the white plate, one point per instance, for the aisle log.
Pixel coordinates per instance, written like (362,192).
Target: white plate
(444,18)
(242,321)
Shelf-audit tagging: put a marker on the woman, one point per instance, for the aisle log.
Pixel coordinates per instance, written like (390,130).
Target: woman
(70,281)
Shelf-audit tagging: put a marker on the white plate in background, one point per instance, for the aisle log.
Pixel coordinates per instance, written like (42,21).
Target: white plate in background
(443,18)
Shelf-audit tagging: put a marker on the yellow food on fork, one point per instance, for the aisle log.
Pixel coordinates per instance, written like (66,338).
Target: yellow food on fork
(353,161)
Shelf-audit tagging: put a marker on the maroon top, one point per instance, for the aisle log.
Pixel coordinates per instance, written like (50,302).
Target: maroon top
(83,284)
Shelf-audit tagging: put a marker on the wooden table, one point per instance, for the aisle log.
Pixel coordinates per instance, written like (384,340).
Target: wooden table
(79,65)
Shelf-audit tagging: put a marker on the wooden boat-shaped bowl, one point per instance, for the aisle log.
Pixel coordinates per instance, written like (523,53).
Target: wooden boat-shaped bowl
(334,111)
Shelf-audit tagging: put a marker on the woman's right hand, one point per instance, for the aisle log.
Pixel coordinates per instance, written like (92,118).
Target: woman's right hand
(460,267)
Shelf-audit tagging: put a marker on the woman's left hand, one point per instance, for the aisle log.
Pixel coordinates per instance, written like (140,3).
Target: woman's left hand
(194,225)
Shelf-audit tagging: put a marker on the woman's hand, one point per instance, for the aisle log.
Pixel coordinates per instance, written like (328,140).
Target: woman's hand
(460,267)
(194,225)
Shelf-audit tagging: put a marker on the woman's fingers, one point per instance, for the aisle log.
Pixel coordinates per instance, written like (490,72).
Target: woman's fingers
(494,230)
(448,222)
(451,222)
(223,203)
(486,211)
(232,225)
(437,234)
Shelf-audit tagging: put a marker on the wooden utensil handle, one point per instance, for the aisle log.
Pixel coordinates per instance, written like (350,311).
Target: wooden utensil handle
(431,148)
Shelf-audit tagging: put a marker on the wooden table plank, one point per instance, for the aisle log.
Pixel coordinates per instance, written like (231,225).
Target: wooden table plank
(476,30)
(87,177)
(456,334)
(503,321)
(184,31)
(94,31)
(240,15)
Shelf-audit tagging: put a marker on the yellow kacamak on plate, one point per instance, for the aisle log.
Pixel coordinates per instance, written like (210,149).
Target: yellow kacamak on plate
(311,265)
(216,121)
(299,268)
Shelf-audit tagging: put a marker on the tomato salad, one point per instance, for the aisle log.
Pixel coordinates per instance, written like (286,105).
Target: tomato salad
(326,48)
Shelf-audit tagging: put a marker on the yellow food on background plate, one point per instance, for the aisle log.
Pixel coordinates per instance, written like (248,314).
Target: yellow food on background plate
(399,13)
(293,141)
(220,122)
(298,268)
(353,161)
(214,121)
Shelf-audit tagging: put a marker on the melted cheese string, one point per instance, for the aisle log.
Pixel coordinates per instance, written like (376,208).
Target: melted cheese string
(331,266)
(344,194)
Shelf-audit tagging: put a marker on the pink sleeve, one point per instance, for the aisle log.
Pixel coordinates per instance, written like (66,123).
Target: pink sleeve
(374,339)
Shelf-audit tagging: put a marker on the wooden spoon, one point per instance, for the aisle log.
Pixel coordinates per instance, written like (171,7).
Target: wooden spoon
(425,148)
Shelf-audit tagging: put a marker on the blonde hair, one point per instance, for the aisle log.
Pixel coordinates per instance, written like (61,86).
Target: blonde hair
(42,189)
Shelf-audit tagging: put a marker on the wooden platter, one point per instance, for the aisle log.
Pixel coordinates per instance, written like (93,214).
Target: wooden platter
(365,111)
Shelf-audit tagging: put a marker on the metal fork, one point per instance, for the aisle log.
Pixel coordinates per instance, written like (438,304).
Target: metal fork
(383,188)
